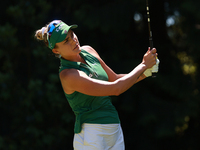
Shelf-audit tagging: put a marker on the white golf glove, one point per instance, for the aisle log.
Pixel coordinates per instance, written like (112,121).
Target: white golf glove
(154,69)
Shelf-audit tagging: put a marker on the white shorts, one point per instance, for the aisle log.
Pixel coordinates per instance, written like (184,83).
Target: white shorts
(99,137)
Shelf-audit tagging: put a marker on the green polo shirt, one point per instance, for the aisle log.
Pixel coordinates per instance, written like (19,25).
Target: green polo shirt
(90,109)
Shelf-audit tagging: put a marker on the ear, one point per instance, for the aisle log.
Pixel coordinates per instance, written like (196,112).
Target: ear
(55,51)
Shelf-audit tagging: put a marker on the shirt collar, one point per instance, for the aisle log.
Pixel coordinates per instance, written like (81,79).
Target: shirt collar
(67,63)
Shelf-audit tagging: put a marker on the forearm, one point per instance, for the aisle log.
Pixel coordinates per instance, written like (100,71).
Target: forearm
(75,80)
(120,76)
(142,77)
(128,80)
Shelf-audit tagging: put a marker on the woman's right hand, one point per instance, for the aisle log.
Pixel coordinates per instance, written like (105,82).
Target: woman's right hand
(149,59)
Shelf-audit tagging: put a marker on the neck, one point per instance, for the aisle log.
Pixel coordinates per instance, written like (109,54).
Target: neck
(76,58)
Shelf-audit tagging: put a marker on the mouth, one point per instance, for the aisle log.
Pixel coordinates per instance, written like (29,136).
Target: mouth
(76,46)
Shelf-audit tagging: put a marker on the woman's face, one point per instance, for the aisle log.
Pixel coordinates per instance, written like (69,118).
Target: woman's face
(69,47)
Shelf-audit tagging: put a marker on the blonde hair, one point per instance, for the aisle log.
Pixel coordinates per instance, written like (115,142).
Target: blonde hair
(41,35)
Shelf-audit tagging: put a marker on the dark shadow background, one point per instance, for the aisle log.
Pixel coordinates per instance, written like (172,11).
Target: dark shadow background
(159,113)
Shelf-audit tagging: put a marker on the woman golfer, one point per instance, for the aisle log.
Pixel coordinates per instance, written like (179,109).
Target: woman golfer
(87,83)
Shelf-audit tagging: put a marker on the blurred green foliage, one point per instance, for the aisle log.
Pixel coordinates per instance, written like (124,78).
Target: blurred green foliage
(159,113)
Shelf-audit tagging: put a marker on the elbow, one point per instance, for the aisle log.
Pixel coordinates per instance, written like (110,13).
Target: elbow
(118,89)
(117,94)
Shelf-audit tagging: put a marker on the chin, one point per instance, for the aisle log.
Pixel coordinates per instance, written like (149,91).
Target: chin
(78,50)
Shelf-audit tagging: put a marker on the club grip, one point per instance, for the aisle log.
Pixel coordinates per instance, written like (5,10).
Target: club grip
(153,74)
(151,47)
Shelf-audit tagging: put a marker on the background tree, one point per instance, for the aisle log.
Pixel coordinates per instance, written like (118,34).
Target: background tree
(158,113)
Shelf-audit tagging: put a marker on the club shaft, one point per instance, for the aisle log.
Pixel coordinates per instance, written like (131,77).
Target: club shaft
(150,32)
(149,25)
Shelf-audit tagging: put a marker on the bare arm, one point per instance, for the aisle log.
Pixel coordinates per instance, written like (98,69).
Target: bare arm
(74,80)
(112,76)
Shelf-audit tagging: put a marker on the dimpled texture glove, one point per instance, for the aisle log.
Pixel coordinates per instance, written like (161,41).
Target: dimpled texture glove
(148,72)
(154,69)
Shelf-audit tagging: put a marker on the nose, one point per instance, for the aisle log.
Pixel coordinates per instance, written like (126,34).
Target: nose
(74,39)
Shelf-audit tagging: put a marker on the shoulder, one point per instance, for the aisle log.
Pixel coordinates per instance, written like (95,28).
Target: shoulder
(71,79)
(68,73)
(91,50)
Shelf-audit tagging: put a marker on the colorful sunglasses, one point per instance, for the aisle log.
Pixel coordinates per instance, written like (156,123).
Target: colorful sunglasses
(51,27)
